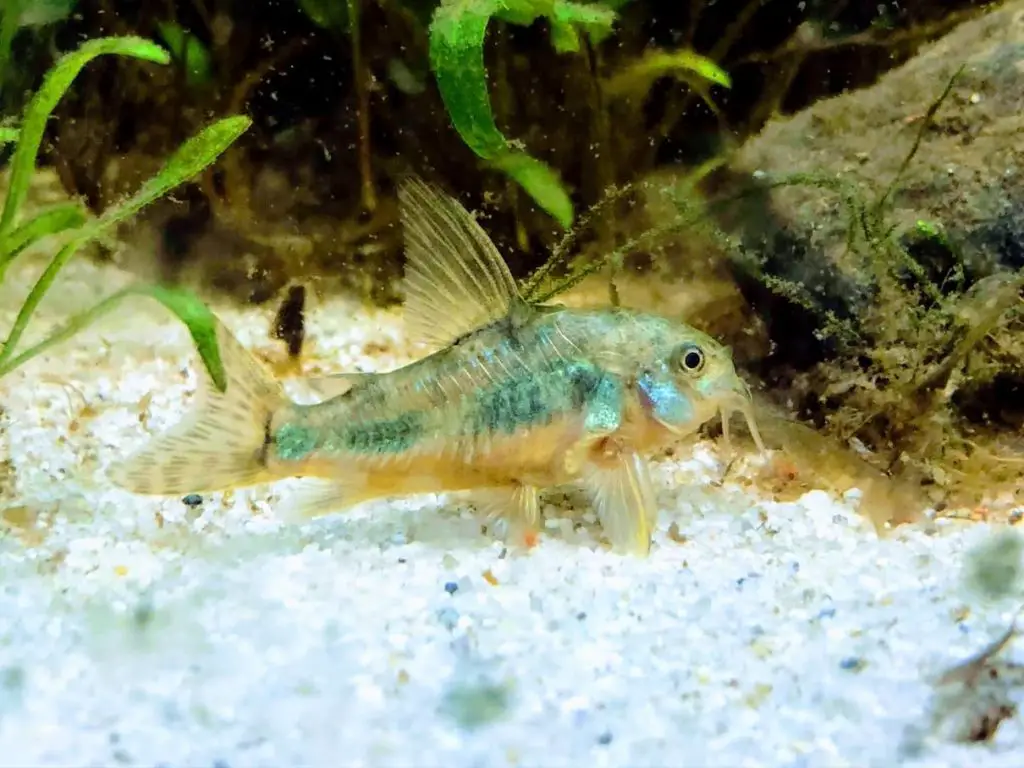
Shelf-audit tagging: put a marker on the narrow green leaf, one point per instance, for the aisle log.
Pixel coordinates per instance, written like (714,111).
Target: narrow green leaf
(457,57)
(192,157)
(457,35)
(188,307)
(596,21)
(200,322)
(189,51)
(639,76)
(189,159)
(58,79)
(540,181)
(8,135)
(48,222)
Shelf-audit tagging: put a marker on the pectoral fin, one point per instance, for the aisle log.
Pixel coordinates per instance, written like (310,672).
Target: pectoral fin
(315,497)
(624,498)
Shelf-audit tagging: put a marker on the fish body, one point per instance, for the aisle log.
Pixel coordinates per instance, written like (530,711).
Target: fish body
(514,398)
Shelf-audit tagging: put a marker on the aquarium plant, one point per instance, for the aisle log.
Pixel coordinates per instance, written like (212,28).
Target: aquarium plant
(18,233)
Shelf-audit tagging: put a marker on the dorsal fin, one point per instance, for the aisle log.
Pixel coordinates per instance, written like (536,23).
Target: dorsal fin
(455,279)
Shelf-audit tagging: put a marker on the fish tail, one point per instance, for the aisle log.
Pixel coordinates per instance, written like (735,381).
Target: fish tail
(222,443)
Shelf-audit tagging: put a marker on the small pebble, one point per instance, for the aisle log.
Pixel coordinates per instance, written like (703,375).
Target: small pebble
(449,617)
(451,587)
(853,663)
(192,500)
(605,738)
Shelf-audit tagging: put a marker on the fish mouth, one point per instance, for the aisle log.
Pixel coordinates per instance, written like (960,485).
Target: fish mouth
(739,399)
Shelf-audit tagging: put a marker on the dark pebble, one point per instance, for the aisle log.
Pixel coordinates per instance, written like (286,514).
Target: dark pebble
(826,613)
(605,738)
(581,615)
(451,587)
(192,500)
(853,663)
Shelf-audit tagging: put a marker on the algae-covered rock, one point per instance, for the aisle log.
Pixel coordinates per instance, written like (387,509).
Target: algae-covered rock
(878,235)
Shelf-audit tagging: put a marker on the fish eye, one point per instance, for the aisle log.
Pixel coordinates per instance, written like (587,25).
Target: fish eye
(691,359)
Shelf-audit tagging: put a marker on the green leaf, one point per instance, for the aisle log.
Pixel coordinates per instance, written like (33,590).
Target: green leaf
(684,64)
(540,181)
(188,160)
(457,35)
(48,222)
(58,79)
(596,21)
(457,57)
(189,51)
(188,307)
(8,135)
(192,157)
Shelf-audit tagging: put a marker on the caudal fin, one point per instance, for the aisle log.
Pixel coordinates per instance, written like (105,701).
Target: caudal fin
(221,444)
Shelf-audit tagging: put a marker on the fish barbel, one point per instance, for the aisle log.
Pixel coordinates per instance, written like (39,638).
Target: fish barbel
(514,398)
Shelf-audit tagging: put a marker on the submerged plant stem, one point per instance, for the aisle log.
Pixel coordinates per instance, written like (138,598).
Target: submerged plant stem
(369,189)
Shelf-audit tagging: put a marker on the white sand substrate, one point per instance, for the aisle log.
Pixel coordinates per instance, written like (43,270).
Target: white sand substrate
(146,632)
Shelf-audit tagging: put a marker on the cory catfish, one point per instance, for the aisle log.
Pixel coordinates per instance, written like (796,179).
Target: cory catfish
(515,397)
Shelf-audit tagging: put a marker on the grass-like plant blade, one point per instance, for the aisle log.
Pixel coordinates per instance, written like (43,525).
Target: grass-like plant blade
(58,79)
(189,51)
(188,307)
(47,222)
(192,157)
(682,64)
(565,17)
(457,35)
(540,181)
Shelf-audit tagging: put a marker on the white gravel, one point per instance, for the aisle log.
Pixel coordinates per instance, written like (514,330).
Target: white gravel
(144,632)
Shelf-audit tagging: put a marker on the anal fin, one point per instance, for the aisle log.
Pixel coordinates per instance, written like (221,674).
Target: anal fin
(625,503)
(317,497)
(518,505)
